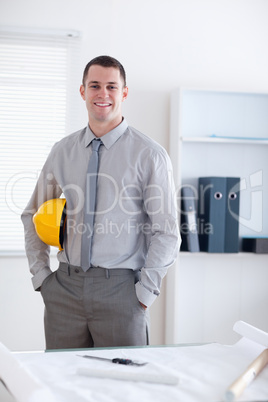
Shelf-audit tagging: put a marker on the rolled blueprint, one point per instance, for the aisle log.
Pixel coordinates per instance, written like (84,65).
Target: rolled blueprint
(249,333)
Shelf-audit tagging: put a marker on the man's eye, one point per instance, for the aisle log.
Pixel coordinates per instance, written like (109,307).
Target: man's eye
(94,86)
(112,87)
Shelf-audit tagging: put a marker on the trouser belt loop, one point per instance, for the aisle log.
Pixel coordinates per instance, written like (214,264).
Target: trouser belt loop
(107,273)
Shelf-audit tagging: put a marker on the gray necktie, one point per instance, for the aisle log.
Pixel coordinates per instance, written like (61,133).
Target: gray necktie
(89,208)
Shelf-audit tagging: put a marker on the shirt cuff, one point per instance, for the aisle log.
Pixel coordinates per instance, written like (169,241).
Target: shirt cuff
(40,276)
(144,295)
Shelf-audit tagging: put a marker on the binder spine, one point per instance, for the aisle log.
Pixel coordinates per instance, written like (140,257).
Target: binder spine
(218,207)
(232,215)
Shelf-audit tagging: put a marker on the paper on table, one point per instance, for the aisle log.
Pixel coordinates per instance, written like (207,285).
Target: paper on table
(20,382)
(204,372)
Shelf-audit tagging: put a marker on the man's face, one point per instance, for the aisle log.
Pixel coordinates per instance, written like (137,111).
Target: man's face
(104,94)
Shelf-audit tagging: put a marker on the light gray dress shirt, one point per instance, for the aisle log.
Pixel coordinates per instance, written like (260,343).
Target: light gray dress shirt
(136,216)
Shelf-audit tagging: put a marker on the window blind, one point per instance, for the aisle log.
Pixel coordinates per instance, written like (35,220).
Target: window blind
(36,87)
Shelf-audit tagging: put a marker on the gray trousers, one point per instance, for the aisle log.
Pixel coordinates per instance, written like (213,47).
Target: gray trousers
(97,308)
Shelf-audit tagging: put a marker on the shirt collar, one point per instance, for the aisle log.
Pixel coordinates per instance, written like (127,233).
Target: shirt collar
(108,139)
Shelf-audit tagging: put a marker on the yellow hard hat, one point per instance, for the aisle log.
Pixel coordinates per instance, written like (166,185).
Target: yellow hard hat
(50,220)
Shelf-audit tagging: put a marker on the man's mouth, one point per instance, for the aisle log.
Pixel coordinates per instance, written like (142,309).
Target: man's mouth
(102,104)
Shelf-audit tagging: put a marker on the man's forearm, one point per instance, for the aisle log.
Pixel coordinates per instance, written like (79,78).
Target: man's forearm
(37,252)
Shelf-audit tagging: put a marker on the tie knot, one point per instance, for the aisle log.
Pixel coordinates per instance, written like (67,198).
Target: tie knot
(96,143)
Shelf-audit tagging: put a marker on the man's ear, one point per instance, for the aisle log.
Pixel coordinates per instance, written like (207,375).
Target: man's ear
(82,91)
(125,93)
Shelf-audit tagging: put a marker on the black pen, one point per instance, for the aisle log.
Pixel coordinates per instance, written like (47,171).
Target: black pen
(117,360)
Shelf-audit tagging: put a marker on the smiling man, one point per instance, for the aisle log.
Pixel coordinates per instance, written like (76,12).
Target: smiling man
(121,232)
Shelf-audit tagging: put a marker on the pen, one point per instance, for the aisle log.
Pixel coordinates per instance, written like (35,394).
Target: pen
(126,362)
(238,386)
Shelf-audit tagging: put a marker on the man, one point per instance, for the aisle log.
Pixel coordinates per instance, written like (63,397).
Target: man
(134,237)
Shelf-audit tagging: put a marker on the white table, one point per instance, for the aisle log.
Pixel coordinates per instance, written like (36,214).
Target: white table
(204,373)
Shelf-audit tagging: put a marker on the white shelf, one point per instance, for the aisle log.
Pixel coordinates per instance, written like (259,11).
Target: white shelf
(218,140)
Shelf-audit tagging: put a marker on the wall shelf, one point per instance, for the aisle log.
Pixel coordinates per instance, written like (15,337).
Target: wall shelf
(225,140)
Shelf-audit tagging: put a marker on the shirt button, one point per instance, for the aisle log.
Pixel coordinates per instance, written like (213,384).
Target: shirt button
(76,270)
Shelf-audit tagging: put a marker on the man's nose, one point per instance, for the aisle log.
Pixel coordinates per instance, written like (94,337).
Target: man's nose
(103,92)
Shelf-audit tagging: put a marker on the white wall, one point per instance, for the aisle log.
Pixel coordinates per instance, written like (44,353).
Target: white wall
(162,44)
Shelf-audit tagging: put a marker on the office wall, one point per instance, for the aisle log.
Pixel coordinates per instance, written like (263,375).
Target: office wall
(163,44)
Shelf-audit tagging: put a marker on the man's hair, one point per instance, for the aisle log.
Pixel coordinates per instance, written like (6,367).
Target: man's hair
(105,61)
